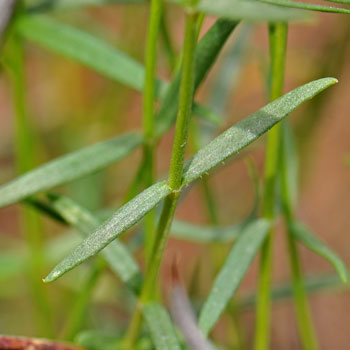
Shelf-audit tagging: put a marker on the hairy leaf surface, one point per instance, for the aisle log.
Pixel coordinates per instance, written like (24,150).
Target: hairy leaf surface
(125,217)
(249,129)
(116,254)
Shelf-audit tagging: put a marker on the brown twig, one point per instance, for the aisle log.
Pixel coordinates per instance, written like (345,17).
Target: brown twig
(22,343)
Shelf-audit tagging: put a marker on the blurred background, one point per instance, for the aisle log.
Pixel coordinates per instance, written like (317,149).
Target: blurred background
(70,106)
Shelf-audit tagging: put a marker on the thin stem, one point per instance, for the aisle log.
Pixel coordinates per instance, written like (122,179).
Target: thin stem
(25,152)
(303,315)
(278,41)
(174,181)
(77,315)
(305,325)
(148,112)
(185,105)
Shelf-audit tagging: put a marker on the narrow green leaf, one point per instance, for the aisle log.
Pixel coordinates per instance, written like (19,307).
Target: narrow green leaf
(116,254)
(312,284)
(305,236)
(232,273)
(306,6)
(206,53)
(69,167)
(249,129)
(82,47)
(162,330)
(248,10)
(59,5)
(124,218)
(206,234)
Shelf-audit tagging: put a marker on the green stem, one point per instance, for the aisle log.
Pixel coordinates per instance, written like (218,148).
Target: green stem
(185,105)
(77,316)
(303,315)
(148,112)
(174,181)
(278,41)
(25,151)
(304,320)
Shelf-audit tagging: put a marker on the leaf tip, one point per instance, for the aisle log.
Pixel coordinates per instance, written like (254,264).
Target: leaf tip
(52,276)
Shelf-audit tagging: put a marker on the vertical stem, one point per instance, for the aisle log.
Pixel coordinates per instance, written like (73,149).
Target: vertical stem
(148,112)
(174,181)
(278,41)
(30,224)
(304,320)
(303,315)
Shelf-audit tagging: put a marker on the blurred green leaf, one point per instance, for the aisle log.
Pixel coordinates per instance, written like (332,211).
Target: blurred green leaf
(232,273)
(305,236)
(206,53)
(116,254)
(82,47)
(162,330)
(124,218)
(59,5)
(249,129)
(69,167)
(312,284)
(306,6)
(249,10)
(206,234)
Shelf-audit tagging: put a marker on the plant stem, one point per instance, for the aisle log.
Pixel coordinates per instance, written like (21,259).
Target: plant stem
(30,224)
(174,181)
(305,325)
(185,105)
(278,41)
(77,316)
(148,112)
(304,319)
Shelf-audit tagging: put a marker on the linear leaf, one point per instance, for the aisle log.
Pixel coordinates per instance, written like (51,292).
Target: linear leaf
(249,129)
(162,330)
(205,234)
(305,236)
(57,5)
(312,284)
(232,273)
(306,6)
(116,254)
(248,10)
(124,218)
(69,167)
(206,53)
(82,47)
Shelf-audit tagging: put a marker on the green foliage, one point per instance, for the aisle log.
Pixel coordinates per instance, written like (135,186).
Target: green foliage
(233,271)
(164,104)
(159,323)
(304,236)
(68,168)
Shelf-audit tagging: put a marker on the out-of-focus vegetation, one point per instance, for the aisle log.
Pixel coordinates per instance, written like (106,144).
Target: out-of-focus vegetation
(90,93)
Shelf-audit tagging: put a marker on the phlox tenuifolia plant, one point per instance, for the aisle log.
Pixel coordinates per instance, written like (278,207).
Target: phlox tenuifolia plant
(165,104)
